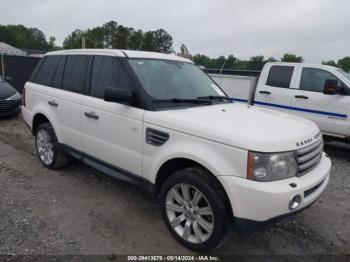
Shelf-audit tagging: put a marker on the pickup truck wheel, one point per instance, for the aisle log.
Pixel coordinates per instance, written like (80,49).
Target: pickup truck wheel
(47,147)
(194,209)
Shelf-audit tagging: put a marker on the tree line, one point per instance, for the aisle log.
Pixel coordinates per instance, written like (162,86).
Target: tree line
(257,62)
(114,35)
(26,38)
(343,63)
(109,35)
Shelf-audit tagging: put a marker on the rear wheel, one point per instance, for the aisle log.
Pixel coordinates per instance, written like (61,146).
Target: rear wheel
(47,146)
(194,209)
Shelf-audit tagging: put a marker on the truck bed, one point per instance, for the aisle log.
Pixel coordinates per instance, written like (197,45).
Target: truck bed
(239,85)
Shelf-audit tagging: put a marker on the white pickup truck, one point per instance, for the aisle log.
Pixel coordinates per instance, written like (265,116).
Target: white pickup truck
(317,92)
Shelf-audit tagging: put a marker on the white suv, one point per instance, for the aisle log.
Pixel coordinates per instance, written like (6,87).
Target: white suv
(159,122)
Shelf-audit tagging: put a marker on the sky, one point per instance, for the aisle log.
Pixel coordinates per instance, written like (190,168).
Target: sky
(315,29)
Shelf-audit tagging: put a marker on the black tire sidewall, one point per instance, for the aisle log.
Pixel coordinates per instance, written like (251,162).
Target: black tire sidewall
(221,221)
(47,127)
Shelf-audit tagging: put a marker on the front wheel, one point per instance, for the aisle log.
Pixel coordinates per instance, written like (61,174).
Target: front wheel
(194,209)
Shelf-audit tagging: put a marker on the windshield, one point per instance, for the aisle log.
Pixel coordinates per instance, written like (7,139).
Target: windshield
(164,79)
(347,75)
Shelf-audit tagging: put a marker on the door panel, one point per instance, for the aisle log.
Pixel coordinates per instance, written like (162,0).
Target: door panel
(112,133)
(274,90)
(73,83)
(65,115)
(68,111)
(329,112)
(62,106)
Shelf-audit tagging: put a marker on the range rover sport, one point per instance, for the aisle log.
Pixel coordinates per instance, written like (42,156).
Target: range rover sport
(159,122)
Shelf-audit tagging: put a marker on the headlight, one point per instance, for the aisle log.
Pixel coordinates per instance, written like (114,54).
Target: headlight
(14,97)
(266,167)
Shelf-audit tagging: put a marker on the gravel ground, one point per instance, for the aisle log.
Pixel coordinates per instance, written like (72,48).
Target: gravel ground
(78,210)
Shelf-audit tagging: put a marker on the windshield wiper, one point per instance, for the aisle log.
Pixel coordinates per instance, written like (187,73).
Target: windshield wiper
(215,97)
(182,100)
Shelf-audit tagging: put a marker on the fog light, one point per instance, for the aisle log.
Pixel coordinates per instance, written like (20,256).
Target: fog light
(295,202)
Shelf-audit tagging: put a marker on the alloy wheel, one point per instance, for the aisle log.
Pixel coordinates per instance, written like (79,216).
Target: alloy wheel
(44,146)
(189,213)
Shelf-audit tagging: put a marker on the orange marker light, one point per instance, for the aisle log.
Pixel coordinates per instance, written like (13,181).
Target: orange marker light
(250,174)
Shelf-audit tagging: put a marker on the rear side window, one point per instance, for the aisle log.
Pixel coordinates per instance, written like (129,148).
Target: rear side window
(47,70)
(75,73)
(107,72)
(280,76)
(57,78)
(36,70)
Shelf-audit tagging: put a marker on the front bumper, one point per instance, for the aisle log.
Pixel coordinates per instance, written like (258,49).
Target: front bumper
(9,107)
(261,202)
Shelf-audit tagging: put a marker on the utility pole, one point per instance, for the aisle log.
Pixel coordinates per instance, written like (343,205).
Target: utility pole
(222,67)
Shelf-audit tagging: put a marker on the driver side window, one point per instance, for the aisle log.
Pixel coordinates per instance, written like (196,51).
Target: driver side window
(107,72)
(313,79)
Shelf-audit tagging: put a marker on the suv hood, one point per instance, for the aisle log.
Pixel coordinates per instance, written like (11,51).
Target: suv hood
(6,90)
(246,127)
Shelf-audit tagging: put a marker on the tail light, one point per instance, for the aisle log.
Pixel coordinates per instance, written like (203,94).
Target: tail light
(24,97)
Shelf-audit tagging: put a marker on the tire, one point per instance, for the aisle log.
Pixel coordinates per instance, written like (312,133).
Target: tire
(45,137)
(215,231)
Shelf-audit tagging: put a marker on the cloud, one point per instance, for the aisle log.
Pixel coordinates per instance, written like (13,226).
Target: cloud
(315,29)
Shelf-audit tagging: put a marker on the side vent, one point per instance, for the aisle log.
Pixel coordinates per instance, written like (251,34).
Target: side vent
(155,137)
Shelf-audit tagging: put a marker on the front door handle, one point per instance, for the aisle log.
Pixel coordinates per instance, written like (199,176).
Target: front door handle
(265,92)
(302,97)
(91,115)
(52,103)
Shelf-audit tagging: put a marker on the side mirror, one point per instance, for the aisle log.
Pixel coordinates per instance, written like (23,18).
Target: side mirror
(343,90)
(119,95)
(330,87)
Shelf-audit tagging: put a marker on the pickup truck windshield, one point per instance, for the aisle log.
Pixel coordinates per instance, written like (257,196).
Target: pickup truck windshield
(347,75)
(169,80)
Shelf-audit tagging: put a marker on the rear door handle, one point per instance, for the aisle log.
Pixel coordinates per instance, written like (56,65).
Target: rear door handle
(302,97)
(265,92)
(52,103)
(91,115)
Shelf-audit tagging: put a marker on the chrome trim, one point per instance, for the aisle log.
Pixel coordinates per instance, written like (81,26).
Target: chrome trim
(309,148)
(309,157)
(310,163)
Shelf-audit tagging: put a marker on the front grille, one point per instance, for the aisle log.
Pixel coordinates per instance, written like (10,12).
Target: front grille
(155,137)
(309,157)
(8,105)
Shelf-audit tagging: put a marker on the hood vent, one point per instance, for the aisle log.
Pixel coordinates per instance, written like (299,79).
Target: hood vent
(155,137)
